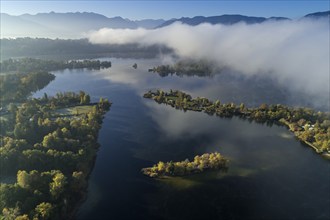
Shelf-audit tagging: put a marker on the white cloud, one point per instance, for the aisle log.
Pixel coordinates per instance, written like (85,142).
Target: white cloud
(296,53)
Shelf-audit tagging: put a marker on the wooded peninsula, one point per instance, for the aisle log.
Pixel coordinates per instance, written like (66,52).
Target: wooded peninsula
(47,146)
(309,126)
(199,68)
(27,64)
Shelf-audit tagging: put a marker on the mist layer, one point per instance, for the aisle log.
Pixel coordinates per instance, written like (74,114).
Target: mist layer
(296,53)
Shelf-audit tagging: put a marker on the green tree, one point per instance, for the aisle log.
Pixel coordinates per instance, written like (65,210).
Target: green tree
(242,107)
(10,213)
(161,166)
(81,96)
(78,181)
(57,187)
(12,108)
(87,99)
(22,217)
(29,180)
(23,179)
(43,210)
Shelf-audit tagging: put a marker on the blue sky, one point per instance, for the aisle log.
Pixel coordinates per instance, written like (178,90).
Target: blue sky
(169,9)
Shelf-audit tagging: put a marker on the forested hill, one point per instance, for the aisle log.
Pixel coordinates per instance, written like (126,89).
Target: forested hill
(73,49)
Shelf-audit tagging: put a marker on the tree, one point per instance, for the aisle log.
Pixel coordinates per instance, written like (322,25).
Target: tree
(81,96)
(242,106)
(263,107)
(161,166)
(48,140)
(12,108)
(58,185)
(45,97)
(307,136)
(170,167)
(22,217)
(185,101)
(9,195)
(19,130)
(29,180)
(43,210)
(23,179)
(87,99)
(10,213)
(78,181)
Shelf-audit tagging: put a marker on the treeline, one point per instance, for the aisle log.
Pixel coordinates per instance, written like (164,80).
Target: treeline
(313,128)
(50,155)
(186,67)
(17,87)
(74,48)
(212,161)
(26,65)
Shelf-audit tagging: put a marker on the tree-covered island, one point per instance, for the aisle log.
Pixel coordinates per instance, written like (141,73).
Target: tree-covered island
(47,147)
(309,126)
(207,161)
(200,68)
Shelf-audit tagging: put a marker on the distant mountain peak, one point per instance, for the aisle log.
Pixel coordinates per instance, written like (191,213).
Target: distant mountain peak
(278,18)
(76,24)
(226,19)
(318,14)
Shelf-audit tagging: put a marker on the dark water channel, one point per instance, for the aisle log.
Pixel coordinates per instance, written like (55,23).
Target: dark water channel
(271,175)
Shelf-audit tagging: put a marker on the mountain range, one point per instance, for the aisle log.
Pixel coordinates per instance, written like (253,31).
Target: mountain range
(77,25)
(222,19)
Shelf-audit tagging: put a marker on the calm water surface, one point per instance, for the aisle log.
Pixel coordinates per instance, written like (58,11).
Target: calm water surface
(270,176)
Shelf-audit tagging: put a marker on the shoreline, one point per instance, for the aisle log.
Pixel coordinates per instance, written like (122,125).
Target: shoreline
(278,115)
(287,124)
(84,193)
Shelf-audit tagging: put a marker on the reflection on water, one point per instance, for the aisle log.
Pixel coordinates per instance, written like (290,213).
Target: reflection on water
(228,86)
(270,176)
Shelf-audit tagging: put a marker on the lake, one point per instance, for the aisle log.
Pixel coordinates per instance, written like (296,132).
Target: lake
(271,175)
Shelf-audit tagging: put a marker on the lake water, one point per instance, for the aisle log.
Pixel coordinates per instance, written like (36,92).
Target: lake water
(271,175)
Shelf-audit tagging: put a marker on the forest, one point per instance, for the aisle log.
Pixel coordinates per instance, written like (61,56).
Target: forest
(17,87)
(309,126)
(199,68)
(31,64)
(46,155)
(73,49)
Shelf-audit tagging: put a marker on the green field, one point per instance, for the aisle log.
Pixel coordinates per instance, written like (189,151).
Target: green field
(73,111)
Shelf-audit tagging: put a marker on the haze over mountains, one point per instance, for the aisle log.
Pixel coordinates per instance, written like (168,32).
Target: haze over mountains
(65,25)
(78,25)
(223,19)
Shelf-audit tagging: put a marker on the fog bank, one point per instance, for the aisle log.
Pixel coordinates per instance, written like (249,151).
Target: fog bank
(296,53)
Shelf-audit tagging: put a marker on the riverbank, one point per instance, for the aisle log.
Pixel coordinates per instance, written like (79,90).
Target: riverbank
(290,126)
(310,127)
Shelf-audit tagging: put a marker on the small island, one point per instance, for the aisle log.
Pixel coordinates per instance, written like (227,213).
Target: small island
(207,161)
(309,126)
